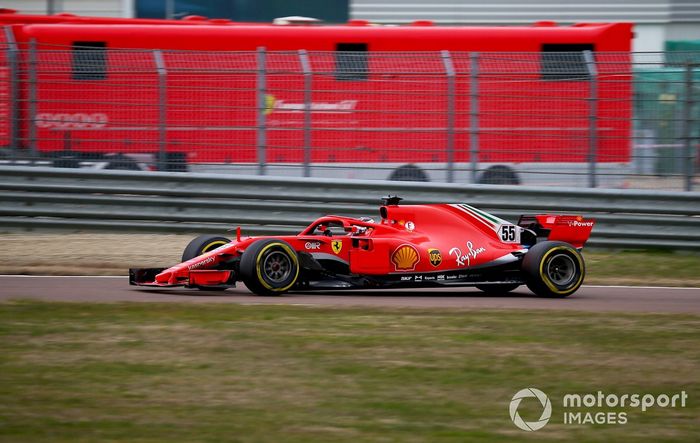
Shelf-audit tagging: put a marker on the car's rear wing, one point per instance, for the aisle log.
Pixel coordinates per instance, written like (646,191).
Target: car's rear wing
(573,229)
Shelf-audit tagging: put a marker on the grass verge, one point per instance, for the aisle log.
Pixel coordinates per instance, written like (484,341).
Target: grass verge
(152,372)
(642,268)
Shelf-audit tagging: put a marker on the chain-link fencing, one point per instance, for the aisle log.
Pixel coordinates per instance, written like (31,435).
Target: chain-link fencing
(593,119)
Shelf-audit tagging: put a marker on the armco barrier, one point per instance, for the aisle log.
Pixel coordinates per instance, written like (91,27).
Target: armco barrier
(37,198)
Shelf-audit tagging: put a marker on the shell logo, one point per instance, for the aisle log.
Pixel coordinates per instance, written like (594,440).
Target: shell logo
(405,258)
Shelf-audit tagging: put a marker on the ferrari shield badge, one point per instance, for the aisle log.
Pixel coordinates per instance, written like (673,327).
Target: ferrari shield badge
(337,245)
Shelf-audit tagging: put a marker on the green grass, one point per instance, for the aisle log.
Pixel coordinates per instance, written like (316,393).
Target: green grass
(182,372)
(664,268)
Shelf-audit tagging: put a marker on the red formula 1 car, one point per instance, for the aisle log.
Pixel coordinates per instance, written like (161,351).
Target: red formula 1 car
(410,246)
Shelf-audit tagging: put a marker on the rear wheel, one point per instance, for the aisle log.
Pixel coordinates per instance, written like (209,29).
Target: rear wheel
(499,175)
(269,267)
(409,173)
(66,159)
(122,163)
(498,288)
(553,269)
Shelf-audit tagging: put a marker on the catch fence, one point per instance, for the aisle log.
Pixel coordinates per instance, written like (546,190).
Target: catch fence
(591,119)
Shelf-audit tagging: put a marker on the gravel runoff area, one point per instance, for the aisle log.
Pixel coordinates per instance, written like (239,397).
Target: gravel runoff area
(87,253)
(112,254)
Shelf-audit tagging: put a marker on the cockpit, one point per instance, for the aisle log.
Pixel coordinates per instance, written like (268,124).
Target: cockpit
(335,227)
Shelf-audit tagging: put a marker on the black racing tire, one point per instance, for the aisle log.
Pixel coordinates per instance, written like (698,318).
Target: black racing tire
(269,267)
(553,269)
(499,175)
(498,288)
(175,162)
(409,173)
(66,159)
(203,244)
(121,162)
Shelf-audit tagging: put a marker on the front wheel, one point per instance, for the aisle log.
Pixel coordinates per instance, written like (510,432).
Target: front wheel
(269,267)
(553,269)
(202,245)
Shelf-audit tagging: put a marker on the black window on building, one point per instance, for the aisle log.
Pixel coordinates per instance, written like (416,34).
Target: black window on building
(351,61)
(89,60)
(565,61)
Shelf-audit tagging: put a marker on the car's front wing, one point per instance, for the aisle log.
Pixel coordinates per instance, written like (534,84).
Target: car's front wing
(195,278)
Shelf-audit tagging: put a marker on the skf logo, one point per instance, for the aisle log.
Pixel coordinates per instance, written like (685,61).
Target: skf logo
(405,258)
(435,257)
(337,246)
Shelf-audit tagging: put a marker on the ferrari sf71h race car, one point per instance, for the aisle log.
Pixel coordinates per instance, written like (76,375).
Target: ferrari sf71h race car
(410,246)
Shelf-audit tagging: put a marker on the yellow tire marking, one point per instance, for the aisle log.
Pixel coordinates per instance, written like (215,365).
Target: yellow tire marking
(209,248)
(551,285)
(292,255)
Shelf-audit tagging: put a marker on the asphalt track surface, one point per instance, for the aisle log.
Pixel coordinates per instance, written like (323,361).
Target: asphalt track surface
(588,298)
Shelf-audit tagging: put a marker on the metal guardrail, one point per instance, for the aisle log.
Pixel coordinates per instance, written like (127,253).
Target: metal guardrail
(34,198)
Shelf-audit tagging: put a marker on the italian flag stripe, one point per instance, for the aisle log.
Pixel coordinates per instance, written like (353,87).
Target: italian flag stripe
(489,220)
(498,220)
(477,216)
(484,214)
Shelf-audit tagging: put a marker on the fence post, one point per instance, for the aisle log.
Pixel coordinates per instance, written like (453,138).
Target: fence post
(170,9)
(306,69)
(33,85)
(162,108)
(592,118)
(688,125)
(54,6)
(13,82)
(450,72)
(262,108)
(474,113)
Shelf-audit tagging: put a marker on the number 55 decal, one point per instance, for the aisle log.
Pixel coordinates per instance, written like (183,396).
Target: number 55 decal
(509,233)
